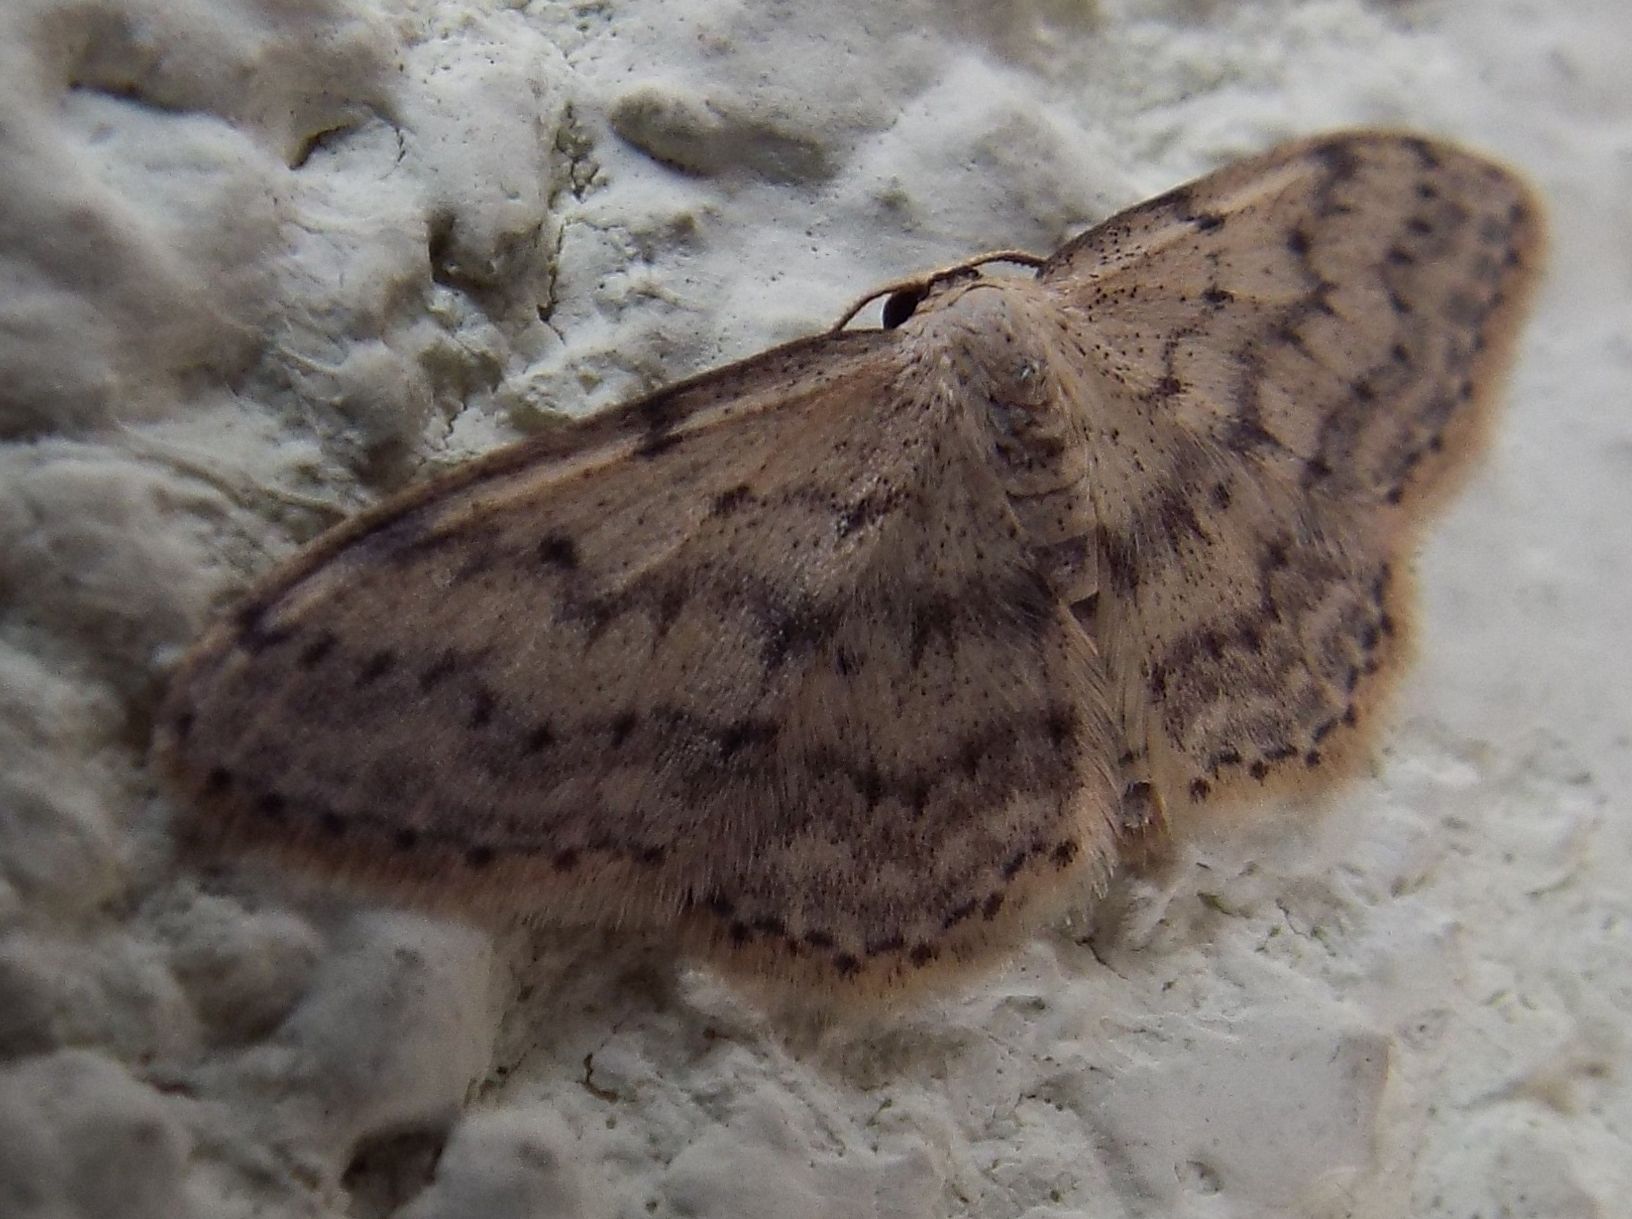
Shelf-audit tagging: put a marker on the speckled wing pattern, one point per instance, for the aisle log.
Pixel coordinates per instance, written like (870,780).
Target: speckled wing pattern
(856,659)
(1291,356)
(762,653)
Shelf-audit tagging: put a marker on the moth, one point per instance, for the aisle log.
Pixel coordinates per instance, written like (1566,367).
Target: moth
(853,662)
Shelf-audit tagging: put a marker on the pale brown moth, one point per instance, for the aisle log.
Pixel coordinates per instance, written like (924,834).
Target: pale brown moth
(856,660)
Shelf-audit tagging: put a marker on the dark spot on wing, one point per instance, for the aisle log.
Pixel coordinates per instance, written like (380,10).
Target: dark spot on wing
(1167,386)
(746,733)
(439,670)
(318,650)
(558,550)
(1061,723)
(885,944)
(728,501)
(377,665)
(622,725)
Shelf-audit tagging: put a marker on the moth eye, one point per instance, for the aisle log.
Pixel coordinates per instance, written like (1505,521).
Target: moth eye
(899,306)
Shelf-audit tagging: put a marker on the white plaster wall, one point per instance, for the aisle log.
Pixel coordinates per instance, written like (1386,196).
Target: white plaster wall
(264,261)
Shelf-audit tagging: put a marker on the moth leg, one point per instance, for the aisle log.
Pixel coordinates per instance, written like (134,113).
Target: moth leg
(1141,816)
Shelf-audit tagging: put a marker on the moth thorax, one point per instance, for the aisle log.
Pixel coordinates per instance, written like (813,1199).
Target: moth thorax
(1032,429)
(1001,374)
(1034,436)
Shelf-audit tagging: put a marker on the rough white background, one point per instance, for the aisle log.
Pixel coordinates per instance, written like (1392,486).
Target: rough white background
(264,261)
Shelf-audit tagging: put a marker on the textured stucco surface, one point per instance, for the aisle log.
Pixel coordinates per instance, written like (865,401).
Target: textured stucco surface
(264,261)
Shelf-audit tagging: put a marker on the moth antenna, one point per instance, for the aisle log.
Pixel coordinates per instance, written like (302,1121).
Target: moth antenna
(923,281)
